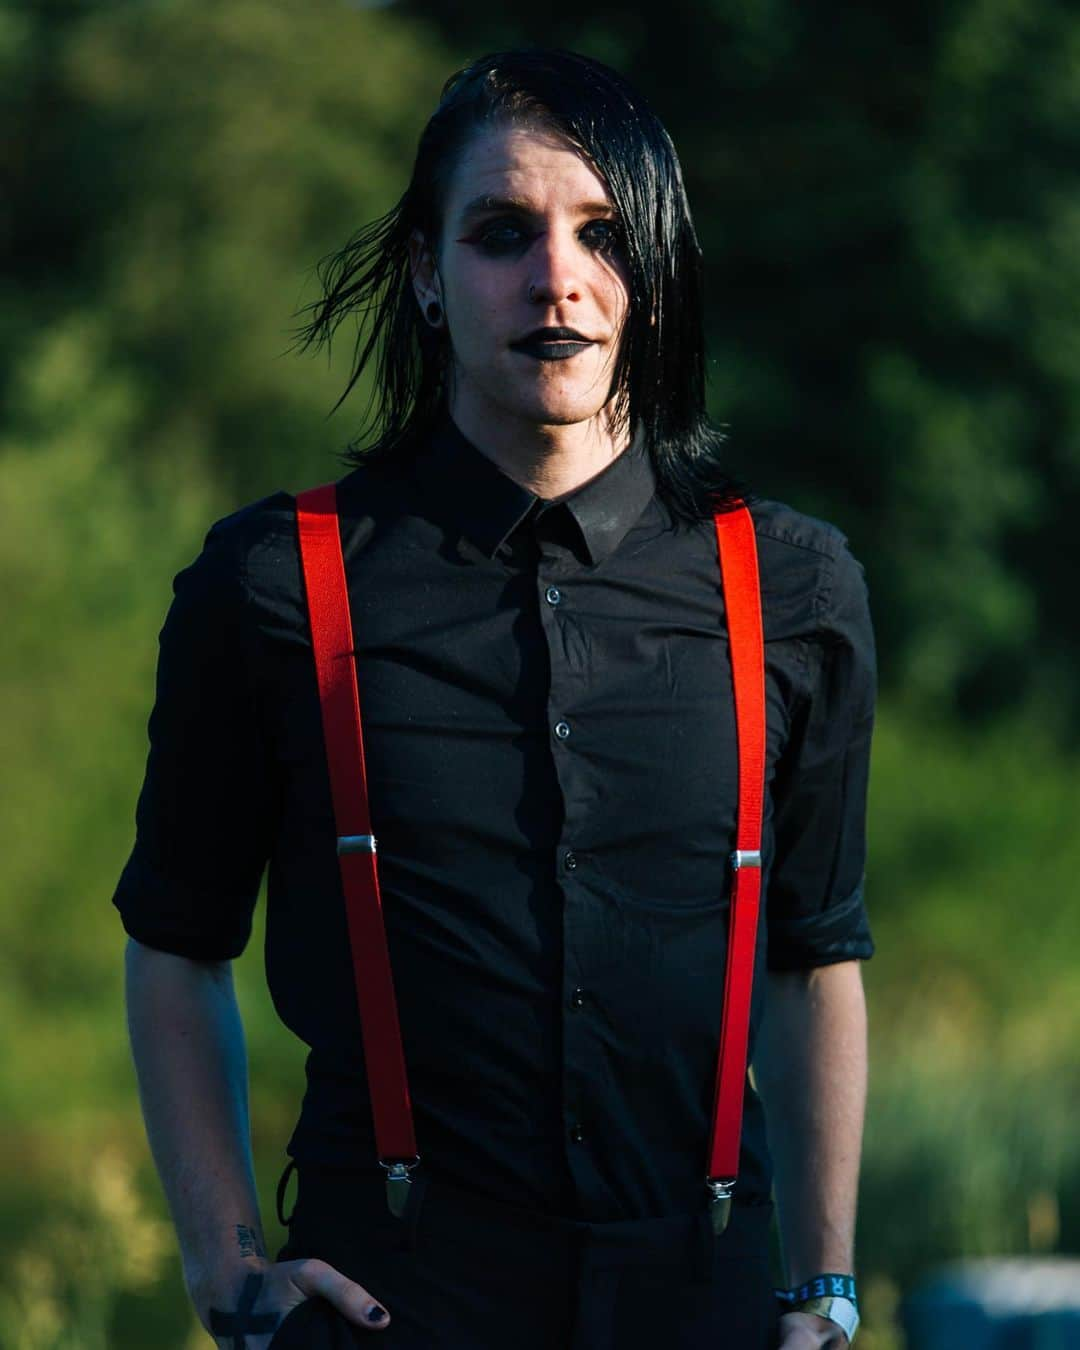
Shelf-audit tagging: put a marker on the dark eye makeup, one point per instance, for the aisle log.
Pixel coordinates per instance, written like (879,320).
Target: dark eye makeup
(502,237)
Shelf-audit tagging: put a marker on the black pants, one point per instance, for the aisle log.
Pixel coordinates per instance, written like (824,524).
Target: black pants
(460,1272)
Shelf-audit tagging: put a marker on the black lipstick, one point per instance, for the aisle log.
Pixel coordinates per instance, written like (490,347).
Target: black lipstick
(552,344)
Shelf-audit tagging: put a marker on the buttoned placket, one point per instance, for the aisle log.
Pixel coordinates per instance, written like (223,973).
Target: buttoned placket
(568,667)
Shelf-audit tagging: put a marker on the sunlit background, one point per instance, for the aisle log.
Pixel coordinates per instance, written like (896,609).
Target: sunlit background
(888,197)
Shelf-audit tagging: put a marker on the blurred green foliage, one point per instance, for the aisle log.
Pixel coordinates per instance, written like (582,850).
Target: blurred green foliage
(889,203)
(888,200)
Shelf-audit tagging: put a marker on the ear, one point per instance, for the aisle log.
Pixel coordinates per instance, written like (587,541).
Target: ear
(425,273)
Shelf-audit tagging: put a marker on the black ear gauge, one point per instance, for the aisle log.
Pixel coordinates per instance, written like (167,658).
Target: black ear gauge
(433,311)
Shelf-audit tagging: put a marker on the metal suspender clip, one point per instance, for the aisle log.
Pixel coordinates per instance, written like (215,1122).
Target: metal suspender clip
(720,1210)
(356,843)
(397,1184)
(745,857)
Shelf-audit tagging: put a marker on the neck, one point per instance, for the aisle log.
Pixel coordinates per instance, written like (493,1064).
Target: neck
(548,459)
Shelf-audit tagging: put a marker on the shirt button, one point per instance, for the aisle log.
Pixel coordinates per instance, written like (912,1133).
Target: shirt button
(553,595)
(577,998)
(562,730)
(570,860)
(577,1134)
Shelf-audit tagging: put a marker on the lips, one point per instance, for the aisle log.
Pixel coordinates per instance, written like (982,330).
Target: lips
(552,344)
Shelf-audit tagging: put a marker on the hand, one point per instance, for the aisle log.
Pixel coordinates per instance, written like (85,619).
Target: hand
(806,1331)
(257,1301)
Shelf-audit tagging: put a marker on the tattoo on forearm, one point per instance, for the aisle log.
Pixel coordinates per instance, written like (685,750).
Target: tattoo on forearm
(250,1243)
(243,1321)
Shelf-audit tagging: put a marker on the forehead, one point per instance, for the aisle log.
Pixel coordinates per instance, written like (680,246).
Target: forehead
(530,164)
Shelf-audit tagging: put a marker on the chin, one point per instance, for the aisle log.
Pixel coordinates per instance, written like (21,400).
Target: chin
(541,402)
(561,417)
(559,410)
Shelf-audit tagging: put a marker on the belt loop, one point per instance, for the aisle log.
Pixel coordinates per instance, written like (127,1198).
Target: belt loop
(282,1183)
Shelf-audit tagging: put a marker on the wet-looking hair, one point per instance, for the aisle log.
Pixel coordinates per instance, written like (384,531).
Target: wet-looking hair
(659,375)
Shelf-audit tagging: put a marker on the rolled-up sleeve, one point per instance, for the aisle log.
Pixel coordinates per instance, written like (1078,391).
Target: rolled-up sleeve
(205,812)
(816,911)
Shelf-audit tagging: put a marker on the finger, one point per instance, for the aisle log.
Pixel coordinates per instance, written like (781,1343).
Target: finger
(352,1300)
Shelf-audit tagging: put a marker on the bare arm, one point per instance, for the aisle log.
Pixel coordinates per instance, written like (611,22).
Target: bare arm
(187,1041)
(810,1067)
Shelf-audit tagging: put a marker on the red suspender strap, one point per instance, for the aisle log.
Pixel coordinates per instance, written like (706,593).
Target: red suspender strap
(742,600)
(332,640)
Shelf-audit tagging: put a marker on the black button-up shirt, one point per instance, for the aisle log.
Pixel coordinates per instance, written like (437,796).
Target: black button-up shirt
(550,740)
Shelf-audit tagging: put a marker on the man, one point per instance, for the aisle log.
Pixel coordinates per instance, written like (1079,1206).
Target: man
(548,724)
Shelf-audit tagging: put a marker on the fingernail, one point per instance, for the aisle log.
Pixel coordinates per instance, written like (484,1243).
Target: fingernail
(376,1314)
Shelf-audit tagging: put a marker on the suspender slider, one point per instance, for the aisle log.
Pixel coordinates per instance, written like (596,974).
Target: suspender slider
(720,1210)
(356,843)
(746,857)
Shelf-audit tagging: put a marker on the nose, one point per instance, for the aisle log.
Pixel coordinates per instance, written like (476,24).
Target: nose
(554,275)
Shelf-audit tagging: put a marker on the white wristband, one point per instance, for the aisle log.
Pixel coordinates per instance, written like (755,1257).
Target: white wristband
(839,1310)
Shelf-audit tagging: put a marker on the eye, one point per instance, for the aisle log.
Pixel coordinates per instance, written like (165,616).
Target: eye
(503,237)
(602,235)
(500,236)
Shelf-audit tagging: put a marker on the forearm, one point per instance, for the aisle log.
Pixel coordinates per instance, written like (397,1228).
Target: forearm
(810,1066)
(187,1041)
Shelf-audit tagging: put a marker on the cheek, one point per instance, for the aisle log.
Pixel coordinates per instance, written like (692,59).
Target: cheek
(621,284)
(612,289)
(479,290)
(475,324)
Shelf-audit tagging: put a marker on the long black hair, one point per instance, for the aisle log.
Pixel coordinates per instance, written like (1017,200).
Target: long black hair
(659,375)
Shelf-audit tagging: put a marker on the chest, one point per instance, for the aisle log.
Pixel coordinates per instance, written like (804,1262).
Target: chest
(512,708)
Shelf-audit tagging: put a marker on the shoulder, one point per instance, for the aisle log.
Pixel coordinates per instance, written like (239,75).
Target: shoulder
(808,571)
(252,526)
(263,533)
(233,544)
(269,522)
(252,554)
(212,592)
(780,524)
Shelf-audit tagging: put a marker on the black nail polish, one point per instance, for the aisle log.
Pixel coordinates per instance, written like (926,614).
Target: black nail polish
(376,1314)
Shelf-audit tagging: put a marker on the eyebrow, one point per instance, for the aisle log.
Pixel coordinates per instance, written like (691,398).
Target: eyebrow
(483,204)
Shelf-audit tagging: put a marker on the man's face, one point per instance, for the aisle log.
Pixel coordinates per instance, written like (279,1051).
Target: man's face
(529,241)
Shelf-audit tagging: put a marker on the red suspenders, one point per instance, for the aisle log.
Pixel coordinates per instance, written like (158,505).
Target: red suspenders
(737,547)
(332,640)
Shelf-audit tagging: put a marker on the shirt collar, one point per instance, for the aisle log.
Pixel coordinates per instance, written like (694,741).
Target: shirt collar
(471,491)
